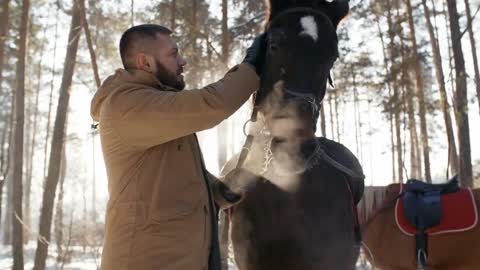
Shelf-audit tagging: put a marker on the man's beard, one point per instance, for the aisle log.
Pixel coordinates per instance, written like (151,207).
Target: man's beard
(168,78)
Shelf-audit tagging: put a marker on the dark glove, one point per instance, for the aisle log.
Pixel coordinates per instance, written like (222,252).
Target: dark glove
(222,194)
(255,55)
(228,194)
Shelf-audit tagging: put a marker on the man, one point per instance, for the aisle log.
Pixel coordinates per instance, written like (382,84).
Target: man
(160,213)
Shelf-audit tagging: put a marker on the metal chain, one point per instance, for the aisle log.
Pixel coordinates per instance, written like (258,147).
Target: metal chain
(267,149)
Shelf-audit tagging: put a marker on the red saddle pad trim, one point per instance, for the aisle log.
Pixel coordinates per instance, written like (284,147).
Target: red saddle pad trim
(459,213)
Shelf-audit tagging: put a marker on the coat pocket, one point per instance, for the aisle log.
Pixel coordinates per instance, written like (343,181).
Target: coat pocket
(177,210)
(176,222)
(177,199)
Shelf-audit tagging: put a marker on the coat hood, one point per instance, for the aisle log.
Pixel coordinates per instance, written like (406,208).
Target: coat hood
(123,80)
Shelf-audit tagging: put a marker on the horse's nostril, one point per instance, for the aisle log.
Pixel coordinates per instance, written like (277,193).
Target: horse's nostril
(278,140)
(273,47)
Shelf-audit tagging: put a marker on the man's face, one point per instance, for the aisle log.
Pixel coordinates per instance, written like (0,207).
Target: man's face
(168,62)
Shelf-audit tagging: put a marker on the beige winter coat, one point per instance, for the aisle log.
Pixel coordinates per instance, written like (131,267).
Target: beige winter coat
(159,214)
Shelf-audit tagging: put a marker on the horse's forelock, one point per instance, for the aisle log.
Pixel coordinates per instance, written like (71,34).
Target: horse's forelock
(277,6)
(336,10)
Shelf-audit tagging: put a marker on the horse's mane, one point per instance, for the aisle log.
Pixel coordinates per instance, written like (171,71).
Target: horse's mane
(375,198)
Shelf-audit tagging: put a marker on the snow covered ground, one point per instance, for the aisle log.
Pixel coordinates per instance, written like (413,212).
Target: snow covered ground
(81,260)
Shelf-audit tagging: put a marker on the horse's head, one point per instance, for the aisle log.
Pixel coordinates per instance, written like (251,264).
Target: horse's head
(301,49)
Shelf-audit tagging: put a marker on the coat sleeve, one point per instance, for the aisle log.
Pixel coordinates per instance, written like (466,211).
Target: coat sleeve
(148,117)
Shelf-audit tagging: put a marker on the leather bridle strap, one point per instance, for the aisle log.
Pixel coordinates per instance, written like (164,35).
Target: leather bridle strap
(248,142)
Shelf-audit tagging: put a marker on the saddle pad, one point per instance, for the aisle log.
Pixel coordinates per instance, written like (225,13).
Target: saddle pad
(459,213)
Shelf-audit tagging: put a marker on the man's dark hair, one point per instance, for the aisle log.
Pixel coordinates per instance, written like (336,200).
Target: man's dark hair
(139,33)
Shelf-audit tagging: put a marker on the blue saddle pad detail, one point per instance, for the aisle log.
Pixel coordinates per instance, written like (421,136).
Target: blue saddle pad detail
(422,202)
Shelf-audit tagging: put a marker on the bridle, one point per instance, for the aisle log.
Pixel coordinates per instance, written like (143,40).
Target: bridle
(309,98)
(305,96)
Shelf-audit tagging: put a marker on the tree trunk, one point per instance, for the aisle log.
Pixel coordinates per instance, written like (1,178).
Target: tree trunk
(7,154)
(29,176)
(7,236)
(330,106)
(463,129)
(370,132)
(323,127)
(409,110)
(398,136)
(132,13)
(195,25)
(93,60)
(194,41)
(387,75)
(450,51)
(88,38)
(4,22)
(85,218)
(356,114)
(50,102)
(412,127)
(437,59)
(225,33)
(222,129)
(7,225)
(58,138)
(474,49)
(335,101)
(396,97)
(4,155)
(94,182)
(17,217)
(420,95)
(392,149)
(59,208)
(173,12)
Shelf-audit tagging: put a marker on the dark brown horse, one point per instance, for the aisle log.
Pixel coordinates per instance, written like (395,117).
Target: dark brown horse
(388,248)
(298,210)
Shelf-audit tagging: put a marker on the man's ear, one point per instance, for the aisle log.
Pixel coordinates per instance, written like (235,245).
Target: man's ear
(144,62)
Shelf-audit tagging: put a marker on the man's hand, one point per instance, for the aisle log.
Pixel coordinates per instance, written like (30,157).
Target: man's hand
(230,190)
(255,55)
(223,196)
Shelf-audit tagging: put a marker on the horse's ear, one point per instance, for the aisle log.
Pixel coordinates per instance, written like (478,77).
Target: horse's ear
(276,6)
(335,9)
